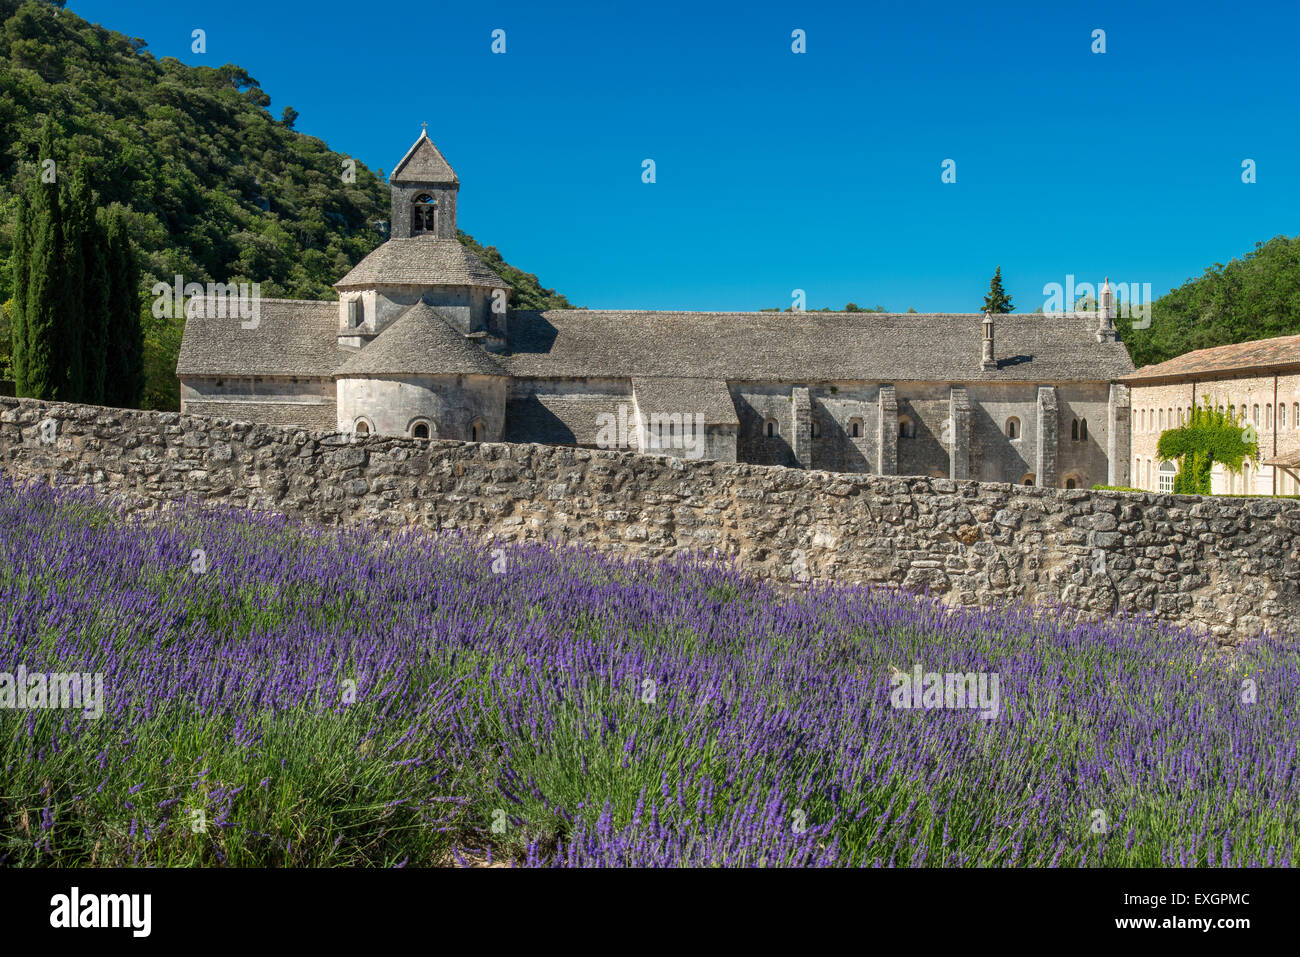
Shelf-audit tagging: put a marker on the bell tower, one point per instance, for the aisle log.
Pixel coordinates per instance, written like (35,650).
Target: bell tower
(423,188)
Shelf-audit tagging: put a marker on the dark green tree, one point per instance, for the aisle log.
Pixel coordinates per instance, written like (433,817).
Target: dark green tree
(124,372)
(997,301)
(18,308)
(88,240)
(52,354)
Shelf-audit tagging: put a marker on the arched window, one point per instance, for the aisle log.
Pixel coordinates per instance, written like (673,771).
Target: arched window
(1162,419)
(1295,415)
(1268,416)
(1071,481)
(1083,430)
(1074,431)
(361,427)
(906,428)
(769,428)
(478,431)
(1255,417)
(1142,420)
(1168,471)
(855,428)
(1281,415)
(1246,487)
(424,214)
(1027,480)
(1013,428)
(420,429)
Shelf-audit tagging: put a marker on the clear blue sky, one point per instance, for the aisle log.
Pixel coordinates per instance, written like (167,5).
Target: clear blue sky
(818,171)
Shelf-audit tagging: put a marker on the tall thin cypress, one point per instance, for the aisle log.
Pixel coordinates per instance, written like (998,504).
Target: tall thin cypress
(124,383)
(92,241)
(69,317)
(45,264)
(18,308)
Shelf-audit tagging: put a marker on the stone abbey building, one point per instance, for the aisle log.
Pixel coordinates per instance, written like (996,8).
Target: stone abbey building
(421,343)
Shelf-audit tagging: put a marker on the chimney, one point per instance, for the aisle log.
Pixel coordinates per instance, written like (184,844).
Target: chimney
(1106,315)
(988,362)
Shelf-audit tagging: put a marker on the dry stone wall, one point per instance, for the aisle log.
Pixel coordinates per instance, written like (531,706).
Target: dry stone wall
(1230,566)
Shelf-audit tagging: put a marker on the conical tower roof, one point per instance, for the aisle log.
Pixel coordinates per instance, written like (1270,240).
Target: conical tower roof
(420,342)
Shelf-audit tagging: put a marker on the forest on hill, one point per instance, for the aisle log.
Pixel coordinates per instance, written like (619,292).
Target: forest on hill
(215,187)
(1256,296)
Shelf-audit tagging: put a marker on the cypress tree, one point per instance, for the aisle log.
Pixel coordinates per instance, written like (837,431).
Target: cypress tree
(44,264)
(18,315)
(124,381)
(70,316)
(52,300)
(997,301)
(91,244)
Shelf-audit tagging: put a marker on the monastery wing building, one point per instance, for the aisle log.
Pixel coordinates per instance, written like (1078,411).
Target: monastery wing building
(421,343)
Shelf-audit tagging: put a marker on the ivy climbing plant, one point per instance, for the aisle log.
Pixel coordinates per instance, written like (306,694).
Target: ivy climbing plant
(1212,435)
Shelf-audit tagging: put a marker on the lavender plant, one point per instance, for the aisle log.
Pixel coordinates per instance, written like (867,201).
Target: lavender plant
(303,697)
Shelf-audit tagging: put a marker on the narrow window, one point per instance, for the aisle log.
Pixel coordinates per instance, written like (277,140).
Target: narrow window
(478,431)
(855,428)
(1255,417)
(769,428)
(1013,429)
(1027,480)
(424,214)
(1074,430)
(1083,430)
(1069,483)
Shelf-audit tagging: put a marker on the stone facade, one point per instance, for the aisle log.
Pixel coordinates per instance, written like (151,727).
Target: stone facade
(1257,399)
(1258,381)
(1230,566)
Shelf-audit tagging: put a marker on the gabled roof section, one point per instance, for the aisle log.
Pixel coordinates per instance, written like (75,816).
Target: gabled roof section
(292,338)
(420,342)
(809,347)
(1282,352)
(709,398)
(421,261)
(424,164)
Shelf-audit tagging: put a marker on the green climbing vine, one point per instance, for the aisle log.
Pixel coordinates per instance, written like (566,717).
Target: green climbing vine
(1212,435)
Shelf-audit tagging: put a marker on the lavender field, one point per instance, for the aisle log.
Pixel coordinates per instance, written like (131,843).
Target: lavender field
(286,696)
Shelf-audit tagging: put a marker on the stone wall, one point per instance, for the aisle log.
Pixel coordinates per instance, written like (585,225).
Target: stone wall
(1228,565)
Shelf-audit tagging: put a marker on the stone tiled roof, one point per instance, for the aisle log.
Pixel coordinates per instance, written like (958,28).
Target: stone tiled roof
(423,164)
(1240,357)
(292,338)
(789,347)
(420,342)
(564,419)
(422,261)
(707,397)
